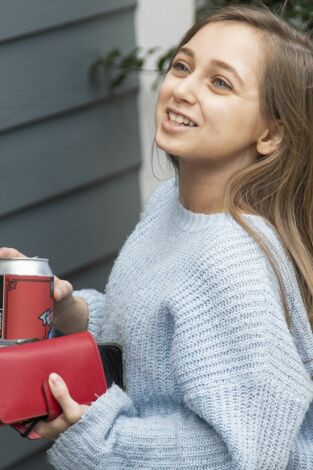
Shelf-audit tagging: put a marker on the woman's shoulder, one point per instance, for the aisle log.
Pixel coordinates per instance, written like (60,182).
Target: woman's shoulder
(230,247)
(160,196)
(232,235)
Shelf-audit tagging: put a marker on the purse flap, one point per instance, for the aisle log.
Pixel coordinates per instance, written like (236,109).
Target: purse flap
(24,369)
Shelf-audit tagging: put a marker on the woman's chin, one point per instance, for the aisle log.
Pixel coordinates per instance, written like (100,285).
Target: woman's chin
(170,149)
(170,152)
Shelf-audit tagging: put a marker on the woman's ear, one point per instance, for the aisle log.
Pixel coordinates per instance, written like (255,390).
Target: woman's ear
(270,139)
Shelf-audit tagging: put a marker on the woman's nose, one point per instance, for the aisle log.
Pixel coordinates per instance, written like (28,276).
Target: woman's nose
(185,90)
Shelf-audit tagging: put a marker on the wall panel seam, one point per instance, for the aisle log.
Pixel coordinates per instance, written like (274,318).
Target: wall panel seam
(71,109)
(72,191)
(67,24)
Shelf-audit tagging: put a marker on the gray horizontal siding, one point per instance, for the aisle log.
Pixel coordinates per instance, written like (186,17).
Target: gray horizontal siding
(93,276)
(20,17)
(81,227)
(70,150)
(48,75)
(57,156)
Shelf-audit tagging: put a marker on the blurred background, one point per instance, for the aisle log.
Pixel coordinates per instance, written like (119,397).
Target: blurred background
(77,157)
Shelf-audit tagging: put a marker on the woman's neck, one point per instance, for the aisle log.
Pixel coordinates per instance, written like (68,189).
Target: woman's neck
(201,191)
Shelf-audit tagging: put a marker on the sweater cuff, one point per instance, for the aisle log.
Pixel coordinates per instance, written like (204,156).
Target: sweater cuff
(87,440)
(96,310)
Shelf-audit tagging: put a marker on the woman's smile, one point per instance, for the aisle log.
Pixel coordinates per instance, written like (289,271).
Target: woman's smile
(173,122)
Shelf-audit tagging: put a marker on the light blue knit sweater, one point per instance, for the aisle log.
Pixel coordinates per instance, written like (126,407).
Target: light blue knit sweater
(214,378)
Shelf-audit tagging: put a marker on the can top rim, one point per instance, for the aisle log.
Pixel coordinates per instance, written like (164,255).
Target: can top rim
(19,258)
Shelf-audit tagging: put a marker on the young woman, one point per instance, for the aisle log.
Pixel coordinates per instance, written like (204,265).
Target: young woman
(211,295)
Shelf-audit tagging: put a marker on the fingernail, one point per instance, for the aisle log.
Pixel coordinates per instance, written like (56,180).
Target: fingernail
(55,379)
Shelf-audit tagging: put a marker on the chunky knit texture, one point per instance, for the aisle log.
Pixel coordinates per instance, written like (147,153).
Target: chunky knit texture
(214,377)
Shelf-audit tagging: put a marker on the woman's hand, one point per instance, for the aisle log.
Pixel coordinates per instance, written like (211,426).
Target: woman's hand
(70,314)
(72,411)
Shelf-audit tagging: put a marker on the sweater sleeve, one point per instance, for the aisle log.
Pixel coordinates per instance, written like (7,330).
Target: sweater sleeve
(96,309)
(244,390)
(96,312)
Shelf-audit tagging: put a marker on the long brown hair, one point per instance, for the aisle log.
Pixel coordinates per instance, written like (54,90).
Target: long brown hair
(278,186)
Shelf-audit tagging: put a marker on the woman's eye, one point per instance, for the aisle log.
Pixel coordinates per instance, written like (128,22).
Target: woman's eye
(180,67)
(221,83)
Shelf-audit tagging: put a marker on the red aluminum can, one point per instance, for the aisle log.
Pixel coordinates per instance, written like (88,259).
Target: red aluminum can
(26,298)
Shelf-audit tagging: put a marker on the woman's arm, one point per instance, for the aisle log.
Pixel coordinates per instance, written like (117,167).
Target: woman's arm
(243,390)
(83,310)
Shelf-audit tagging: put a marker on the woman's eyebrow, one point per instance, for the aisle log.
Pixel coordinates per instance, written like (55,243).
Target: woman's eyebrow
(216,62)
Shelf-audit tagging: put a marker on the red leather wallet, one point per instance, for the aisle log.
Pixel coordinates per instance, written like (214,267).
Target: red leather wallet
(24,370)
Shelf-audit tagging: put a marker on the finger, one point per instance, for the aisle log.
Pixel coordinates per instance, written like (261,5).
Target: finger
(51,429)
(62,289)
(71,409)
(6,252)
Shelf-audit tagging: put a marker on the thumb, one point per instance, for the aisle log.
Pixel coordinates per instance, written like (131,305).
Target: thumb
(71,409)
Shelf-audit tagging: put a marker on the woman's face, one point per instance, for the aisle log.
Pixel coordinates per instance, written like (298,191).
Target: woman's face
(213,86)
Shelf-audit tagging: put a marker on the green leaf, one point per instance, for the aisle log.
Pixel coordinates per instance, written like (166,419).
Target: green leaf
(118,80)
(111,57)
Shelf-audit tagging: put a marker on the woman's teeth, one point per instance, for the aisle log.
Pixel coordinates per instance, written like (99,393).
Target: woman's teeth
(179,119)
